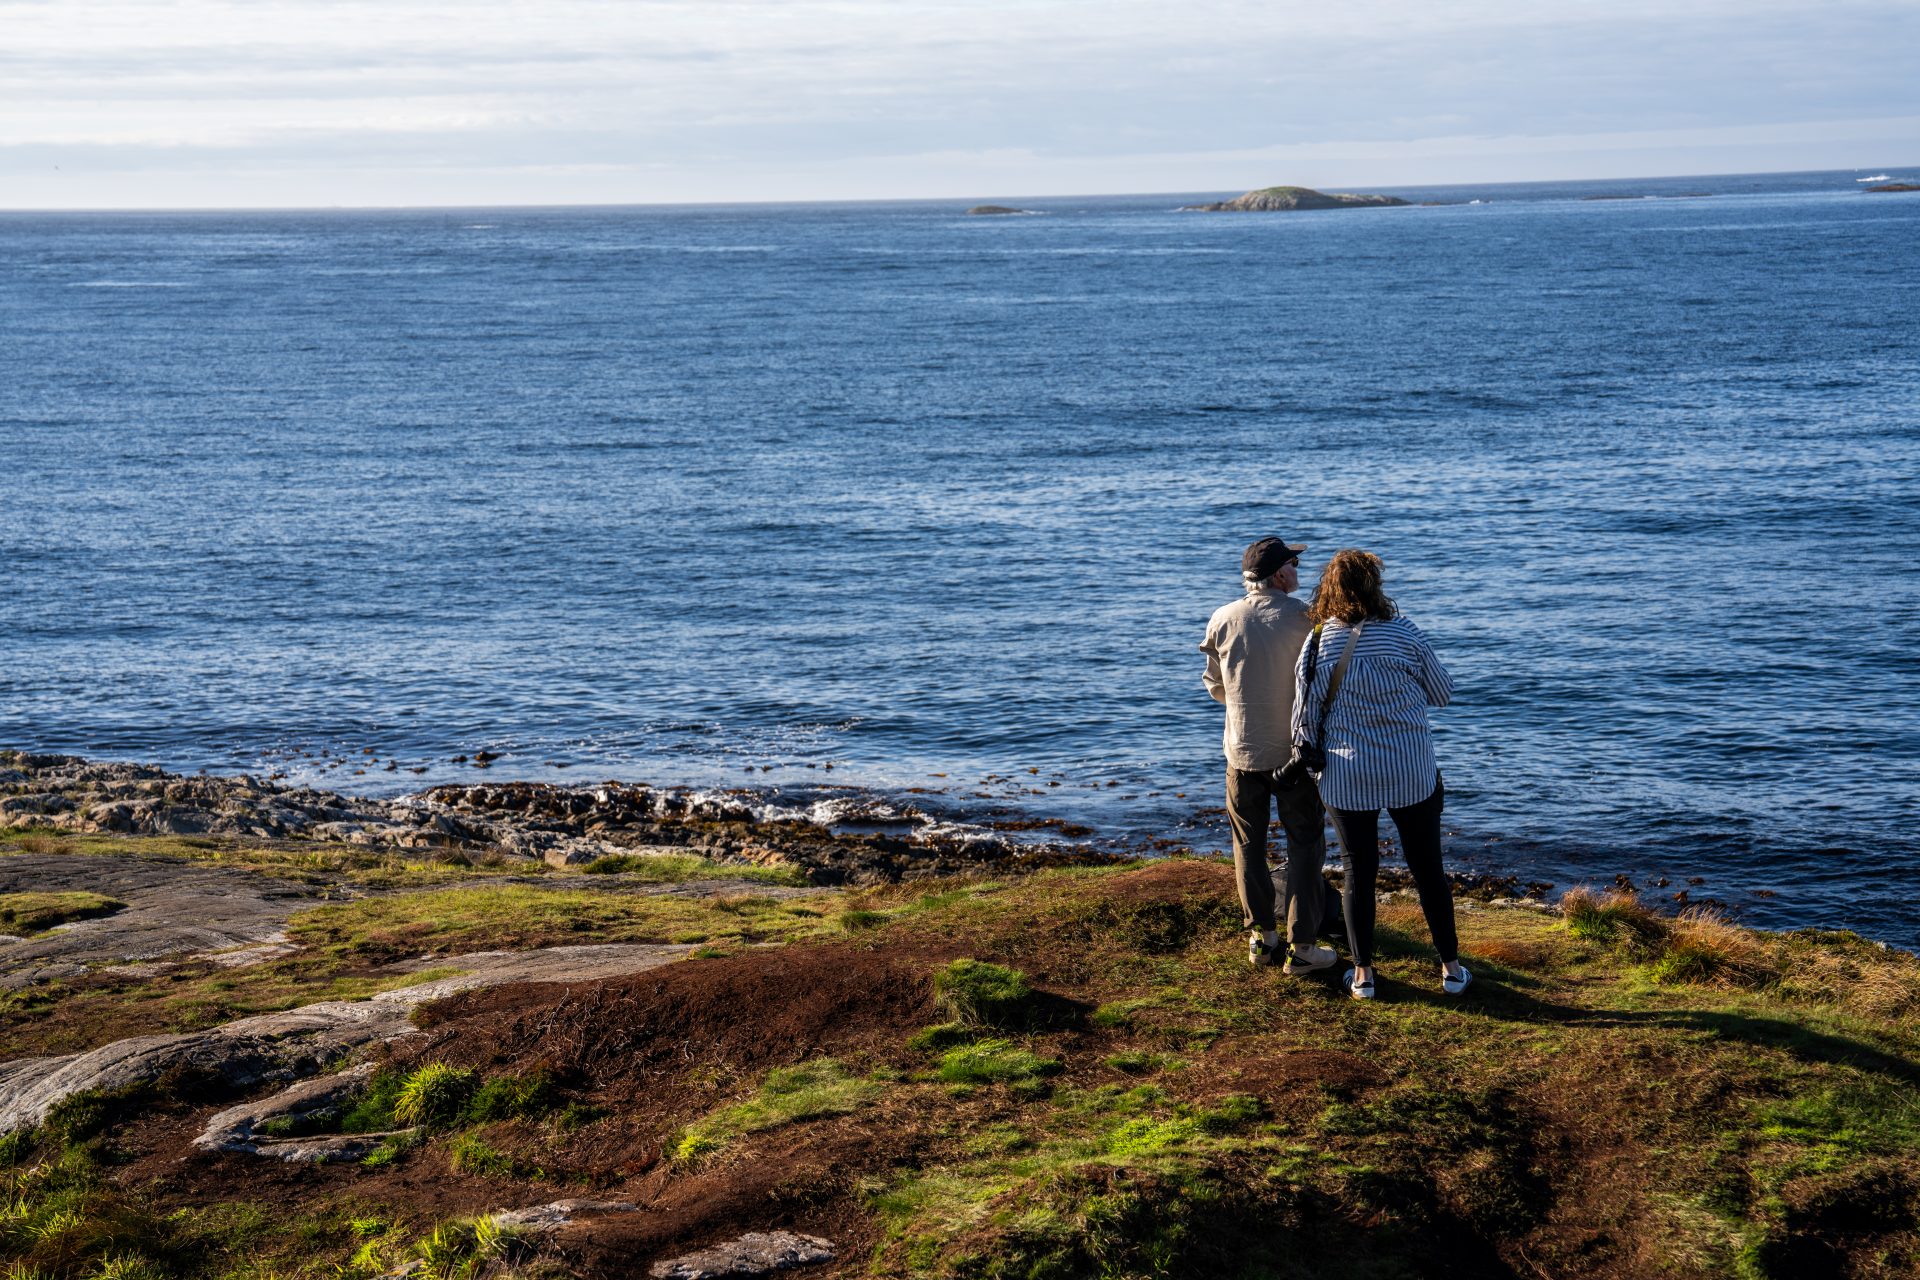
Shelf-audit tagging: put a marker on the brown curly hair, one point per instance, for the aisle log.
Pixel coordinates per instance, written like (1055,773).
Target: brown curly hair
(1349,590)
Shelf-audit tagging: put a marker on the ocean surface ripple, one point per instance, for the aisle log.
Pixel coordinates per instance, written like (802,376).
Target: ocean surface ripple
(726,495)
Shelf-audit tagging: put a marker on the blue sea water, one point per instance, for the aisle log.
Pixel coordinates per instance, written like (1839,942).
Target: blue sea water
(724,495)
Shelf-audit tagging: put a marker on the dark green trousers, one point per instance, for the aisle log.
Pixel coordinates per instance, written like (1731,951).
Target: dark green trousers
(1252,797)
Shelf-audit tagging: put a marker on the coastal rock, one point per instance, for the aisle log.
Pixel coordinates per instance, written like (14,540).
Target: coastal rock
(756,1253)
(1896,186)
(170,909)
(534,822)
(994,211)
(275,1047)
(558,1213)
(1286,199)
(242,1129)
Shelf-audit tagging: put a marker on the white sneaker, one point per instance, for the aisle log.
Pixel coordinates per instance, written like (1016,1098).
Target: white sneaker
(1260,954)
(1312,960)
(1453,985)
(1359,991)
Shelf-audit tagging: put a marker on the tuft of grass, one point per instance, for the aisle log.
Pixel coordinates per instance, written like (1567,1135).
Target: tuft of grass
(1611,917)
(465,1247)
(1701,947)
(470,1153)
(940,1036)
(434,1096)
(859,920)
(391,1149)
(525,1097)
(976,993)
(993,1061)
(788,1094)
(24,914)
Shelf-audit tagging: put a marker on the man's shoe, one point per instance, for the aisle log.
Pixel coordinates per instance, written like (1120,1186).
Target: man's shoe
(1259,953)
(1454,984)
(1358,990)
(1312,960)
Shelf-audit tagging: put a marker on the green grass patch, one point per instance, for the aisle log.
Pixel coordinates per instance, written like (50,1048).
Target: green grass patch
(25,914)
(678,868)
(788,1094)
(527,916)
(470,1153)
(434,1096)
(976,993)
(302,861)
(993,1062)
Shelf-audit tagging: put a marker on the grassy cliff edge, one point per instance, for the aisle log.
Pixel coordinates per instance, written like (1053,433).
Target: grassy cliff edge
(1072,1073)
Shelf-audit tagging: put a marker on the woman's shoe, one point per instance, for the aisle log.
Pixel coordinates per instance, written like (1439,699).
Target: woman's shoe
(1260,954)
(1453,985)
(1359,991)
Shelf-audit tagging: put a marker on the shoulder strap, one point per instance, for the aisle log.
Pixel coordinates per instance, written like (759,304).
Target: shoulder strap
(1339,674)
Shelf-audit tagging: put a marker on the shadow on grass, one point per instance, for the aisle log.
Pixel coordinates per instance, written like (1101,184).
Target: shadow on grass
(1499,1000)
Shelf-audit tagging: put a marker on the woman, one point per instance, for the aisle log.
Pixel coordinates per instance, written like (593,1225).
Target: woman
(1379,751)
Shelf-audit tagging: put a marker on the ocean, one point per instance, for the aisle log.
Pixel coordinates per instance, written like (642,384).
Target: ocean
(882,508)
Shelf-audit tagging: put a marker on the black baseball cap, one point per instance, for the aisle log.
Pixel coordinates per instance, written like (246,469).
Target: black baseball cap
(1264,558)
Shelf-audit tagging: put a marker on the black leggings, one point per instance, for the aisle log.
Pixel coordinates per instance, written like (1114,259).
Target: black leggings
(1419,825)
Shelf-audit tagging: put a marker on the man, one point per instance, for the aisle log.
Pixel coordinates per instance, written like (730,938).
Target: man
(1252,646)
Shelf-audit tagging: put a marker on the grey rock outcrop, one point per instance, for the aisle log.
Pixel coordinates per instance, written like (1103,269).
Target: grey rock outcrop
(244,1129)
(757,1253)
(558,1213)
(1287,199)
(171,908)
(283,1047)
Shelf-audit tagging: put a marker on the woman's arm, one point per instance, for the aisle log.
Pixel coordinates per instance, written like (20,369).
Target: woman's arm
(1304,711)
(1433,678)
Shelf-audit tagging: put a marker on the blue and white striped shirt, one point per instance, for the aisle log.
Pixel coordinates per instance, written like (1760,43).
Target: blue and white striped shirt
(1379,747)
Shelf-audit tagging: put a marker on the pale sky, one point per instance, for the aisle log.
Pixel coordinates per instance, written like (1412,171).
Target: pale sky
(262,103)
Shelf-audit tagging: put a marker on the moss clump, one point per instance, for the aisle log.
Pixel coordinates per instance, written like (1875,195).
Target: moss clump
(24,914)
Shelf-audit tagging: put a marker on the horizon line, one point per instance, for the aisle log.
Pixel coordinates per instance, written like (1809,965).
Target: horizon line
(710,204)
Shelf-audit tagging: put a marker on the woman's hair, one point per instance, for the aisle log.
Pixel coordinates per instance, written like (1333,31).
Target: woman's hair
(1349,590)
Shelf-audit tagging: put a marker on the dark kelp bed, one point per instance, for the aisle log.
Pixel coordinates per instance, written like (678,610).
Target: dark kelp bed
(1067,1073)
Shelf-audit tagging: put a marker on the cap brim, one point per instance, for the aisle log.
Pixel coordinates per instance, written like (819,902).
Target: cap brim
(1296,546)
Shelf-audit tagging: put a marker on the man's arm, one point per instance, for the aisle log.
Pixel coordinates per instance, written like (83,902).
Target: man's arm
(1216,686)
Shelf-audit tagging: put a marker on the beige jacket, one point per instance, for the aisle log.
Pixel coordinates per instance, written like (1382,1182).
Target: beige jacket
(1251,647)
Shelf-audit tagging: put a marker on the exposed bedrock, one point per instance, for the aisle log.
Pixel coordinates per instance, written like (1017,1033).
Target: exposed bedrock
(297,1043)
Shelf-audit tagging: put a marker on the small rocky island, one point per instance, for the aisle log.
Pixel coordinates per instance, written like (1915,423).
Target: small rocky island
(1286,199)
(1896,186)
(994,211)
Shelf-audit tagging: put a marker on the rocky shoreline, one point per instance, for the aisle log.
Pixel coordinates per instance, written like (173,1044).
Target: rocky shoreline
(567,827)
(526,821)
